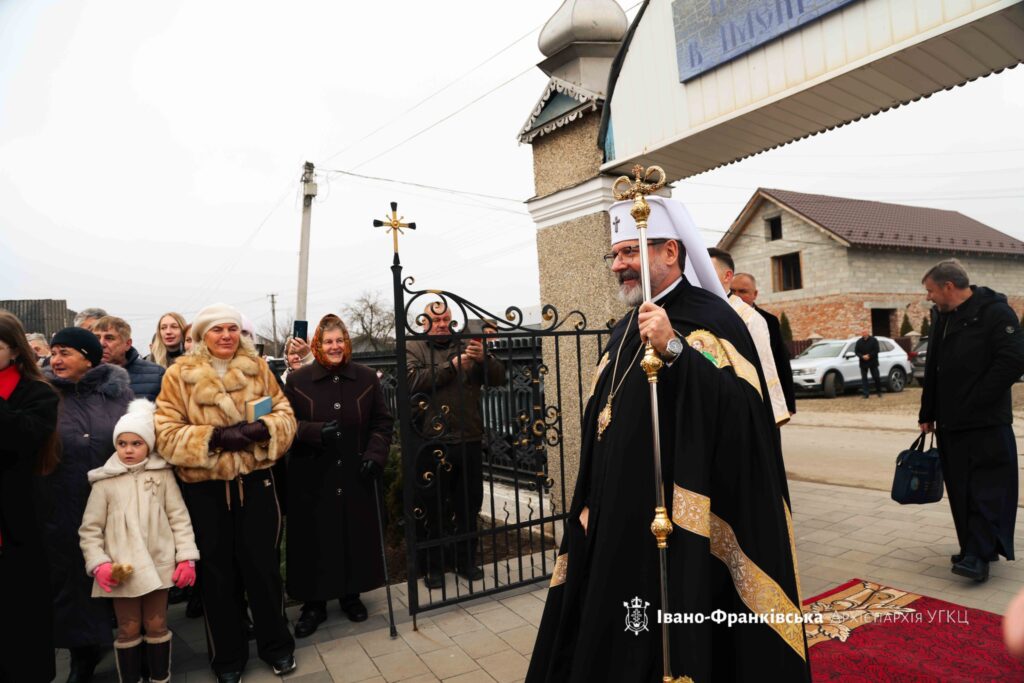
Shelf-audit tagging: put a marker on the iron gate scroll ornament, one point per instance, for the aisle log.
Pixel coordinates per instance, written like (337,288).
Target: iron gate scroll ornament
(523,427)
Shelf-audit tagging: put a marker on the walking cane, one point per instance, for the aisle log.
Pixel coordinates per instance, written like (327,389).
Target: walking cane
(661,527)
(384,559)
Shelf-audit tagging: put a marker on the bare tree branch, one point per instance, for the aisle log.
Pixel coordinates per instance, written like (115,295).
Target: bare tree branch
(371,321)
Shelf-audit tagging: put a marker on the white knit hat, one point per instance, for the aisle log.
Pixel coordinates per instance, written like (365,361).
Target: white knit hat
(138,420)
(214,314)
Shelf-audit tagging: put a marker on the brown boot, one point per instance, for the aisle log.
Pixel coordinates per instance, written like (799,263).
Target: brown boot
(128,658)
(158,655)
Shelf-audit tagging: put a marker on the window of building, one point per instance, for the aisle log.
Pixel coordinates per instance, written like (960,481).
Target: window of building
(774,227)
(786,272)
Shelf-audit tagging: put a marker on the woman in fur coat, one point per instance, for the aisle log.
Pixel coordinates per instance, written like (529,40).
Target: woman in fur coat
(28,423)
(136,519)
(94,396)
(223,461)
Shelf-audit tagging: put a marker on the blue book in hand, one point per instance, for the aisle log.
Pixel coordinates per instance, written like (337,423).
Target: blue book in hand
(257,408)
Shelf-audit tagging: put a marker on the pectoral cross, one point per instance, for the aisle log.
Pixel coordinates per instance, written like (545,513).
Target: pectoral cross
(394,224)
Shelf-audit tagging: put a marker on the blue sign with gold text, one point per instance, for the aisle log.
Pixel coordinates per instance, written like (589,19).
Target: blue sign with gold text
(711,32)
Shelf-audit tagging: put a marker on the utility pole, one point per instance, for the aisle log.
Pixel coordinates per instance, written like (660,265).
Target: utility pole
(273,321)
(308,192)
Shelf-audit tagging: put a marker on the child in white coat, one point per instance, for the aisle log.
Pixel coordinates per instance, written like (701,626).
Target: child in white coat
(137,540)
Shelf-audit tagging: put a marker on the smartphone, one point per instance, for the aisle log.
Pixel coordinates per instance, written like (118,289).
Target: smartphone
(300,330)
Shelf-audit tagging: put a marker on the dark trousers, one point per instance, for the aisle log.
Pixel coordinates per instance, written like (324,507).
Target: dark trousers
(864,380)
(979,467)
(453,507)
(238,531)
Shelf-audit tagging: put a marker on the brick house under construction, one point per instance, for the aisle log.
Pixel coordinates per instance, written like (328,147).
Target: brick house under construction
(835,266)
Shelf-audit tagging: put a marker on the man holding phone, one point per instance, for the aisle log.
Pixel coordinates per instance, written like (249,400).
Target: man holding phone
(446,375)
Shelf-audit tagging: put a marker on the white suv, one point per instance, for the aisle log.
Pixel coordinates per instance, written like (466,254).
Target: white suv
(831,366)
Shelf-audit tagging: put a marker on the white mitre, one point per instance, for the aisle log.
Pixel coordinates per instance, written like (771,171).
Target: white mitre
(669,219)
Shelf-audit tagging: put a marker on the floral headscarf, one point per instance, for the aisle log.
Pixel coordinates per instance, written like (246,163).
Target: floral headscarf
(330,321)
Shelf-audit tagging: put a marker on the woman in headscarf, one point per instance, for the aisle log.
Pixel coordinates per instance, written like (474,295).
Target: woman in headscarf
(336,463)
(223,421)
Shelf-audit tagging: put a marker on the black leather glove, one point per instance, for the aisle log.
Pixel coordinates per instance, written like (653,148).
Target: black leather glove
(228,438)
(255,431)
(330,435)
(371,469)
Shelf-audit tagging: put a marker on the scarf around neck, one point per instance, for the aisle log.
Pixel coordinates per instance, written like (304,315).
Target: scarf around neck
(9,378)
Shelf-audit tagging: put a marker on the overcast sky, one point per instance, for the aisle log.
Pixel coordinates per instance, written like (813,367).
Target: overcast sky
(150,153)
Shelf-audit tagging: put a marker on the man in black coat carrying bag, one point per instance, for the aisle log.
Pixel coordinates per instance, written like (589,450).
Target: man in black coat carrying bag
(975,354)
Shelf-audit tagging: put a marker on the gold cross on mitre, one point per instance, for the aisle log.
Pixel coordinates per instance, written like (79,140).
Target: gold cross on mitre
(638,189)
(394,223)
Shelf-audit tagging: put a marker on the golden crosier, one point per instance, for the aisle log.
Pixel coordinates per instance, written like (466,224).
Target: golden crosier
(661,527)
(651,363)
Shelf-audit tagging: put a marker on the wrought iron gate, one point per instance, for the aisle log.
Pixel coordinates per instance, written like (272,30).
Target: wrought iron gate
(446,464)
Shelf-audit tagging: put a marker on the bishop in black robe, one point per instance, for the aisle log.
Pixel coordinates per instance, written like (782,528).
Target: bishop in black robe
(732,550)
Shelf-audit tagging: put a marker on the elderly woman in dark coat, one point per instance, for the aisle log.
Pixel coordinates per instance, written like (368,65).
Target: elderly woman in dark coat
(28,422)
(342,445)
(95,395)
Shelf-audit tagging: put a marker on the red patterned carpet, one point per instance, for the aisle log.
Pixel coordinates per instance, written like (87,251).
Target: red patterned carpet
(873,633)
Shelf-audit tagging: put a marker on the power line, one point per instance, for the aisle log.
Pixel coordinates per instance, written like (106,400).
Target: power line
(240,249)
(446,87)
(437,92)
(444,118)
(424,186)
(453,198)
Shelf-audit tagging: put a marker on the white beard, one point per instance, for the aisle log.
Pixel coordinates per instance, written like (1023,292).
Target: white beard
(631,293)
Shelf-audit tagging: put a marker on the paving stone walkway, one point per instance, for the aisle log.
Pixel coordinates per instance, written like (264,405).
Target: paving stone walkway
(842,533)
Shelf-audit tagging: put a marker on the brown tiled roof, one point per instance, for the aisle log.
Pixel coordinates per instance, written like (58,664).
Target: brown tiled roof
(880,225)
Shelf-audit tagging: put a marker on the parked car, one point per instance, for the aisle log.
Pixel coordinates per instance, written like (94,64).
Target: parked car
(918,358)
(831,367)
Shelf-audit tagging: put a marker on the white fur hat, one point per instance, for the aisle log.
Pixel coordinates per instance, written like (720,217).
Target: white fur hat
(138,420)
(214,314)
(669,219)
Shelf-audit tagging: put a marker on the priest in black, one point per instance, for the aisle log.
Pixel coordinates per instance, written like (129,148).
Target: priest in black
(731,556)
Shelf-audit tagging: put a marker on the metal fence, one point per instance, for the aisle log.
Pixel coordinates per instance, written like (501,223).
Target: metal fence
(477,460)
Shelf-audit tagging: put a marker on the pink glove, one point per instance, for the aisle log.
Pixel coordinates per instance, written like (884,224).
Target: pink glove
(184,574)
(103,576)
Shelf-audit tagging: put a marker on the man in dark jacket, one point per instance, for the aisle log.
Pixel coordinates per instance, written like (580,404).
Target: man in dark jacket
(445,377)
(115,336)
(975,354)
(866,349)
(745,287)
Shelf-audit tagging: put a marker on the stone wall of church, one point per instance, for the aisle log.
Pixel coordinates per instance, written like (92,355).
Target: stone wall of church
(573,277)
(567,156)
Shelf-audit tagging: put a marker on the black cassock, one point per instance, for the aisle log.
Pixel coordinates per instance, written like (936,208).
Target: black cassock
(731,551)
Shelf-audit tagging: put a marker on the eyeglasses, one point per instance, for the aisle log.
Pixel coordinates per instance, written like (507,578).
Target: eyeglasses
(629,253)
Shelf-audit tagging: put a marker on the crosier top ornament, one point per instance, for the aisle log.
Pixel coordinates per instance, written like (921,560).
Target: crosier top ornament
(638,189)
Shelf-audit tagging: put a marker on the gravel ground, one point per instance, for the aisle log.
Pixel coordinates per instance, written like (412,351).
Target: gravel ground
(906,402)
